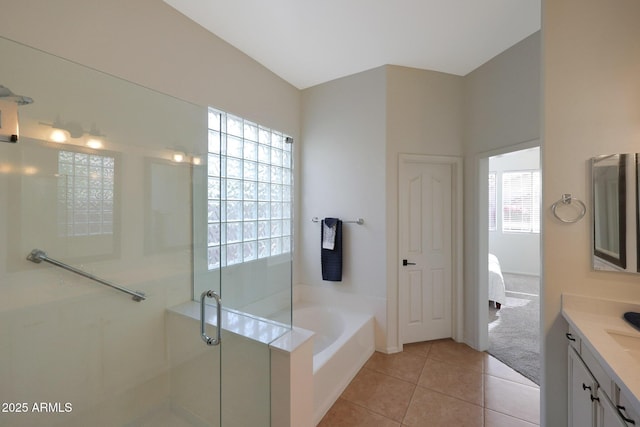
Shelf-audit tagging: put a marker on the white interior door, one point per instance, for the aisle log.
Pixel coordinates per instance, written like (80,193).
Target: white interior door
(426,222)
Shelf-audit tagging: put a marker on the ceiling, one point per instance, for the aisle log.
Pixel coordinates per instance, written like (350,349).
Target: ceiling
(309,42)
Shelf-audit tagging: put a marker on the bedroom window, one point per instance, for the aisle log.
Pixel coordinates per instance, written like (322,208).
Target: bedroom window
(521,201)
(493,219)
(250,191)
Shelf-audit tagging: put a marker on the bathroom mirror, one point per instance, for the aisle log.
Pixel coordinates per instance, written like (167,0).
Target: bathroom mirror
(615,212)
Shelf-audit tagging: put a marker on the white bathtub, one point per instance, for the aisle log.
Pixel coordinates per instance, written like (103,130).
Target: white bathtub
(343,342)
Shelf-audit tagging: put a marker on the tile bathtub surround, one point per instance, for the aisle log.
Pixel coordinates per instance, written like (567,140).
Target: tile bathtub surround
(436,383)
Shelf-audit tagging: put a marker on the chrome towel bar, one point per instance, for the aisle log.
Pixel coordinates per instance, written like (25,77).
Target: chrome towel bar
(38,255)
(358,221)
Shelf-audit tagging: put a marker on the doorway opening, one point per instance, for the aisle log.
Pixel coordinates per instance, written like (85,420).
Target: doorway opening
(511,197)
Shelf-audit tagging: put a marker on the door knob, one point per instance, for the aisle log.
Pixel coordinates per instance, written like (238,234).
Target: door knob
(405,262)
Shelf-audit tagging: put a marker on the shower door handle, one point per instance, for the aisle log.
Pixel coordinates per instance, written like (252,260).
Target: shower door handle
(207,339)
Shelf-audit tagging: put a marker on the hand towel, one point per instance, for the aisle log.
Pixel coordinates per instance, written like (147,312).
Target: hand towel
(329,233)
(331,259)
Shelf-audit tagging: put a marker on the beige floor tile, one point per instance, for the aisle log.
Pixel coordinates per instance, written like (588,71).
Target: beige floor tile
(511,398)
(496,419)
(453,380)
(418,348)
(496,368)
(433,409)
(380,393)
(347,414)
(405,366)
(378,396)
(450,351)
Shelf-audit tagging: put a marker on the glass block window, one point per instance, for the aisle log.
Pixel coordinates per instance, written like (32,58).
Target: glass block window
(85,194)
(250,191)
(521,201)
(493,220)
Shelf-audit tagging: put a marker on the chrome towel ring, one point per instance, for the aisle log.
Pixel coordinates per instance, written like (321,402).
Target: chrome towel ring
(567,199)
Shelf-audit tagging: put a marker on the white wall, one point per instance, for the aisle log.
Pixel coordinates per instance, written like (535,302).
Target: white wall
(342,170)
(426,113)
(591,69)
(424,116)
(518,252)
(502,113)
(149,43)
(353,131)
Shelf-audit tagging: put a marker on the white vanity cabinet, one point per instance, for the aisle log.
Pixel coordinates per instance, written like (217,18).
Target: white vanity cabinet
(607,414)
(582,385)
(592,392)
(604,354)
(623,404)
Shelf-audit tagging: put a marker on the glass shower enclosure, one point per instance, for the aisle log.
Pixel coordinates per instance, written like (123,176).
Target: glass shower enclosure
(105,211)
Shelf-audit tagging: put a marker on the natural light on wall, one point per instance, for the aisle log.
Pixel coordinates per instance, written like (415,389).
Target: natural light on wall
(249,191)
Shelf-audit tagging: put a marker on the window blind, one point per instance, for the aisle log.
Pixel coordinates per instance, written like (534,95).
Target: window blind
(521,201)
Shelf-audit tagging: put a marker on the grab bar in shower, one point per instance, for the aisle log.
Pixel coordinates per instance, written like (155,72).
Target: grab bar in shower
(38,255)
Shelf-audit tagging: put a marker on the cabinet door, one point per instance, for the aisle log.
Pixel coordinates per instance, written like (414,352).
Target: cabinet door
(607,414)
(581,386)
(574,339)
(626,409)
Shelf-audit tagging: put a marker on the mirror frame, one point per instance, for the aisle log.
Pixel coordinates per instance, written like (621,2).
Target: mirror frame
(621,259)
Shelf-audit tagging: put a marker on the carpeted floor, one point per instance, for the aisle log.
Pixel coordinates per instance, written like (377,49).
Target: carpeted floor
(514,330)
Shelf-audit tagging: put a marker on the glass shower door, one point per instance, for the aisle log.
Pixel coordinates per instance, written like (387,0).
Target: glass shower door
(242,240)
(125,185)
(101,180)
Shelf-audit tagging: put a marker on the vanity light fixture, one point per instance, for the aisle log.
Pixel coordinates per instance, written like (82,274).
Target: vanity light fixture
(30,170)
(178,157)
(94,143)
(58,135)
(74,130)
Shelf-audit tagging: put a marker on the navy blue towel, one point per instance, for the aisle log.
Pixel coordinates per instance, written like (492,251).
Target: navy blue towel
(331,259)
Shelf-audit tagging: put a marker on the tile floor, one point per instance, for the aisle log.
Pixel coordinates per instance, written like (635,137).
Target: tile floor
(436,383)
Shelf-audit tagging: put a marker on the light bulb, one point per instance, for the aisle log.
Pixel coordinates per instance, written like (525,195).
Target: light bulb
(178,157)
(58,135)
(96,144)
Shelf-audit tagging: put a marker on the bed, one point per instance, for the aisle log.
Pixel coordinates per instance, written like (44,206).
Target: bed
(496,282)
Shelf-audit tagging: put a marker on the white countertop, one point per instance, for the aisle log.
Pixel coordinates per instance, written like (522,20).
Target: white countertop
(592,318)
